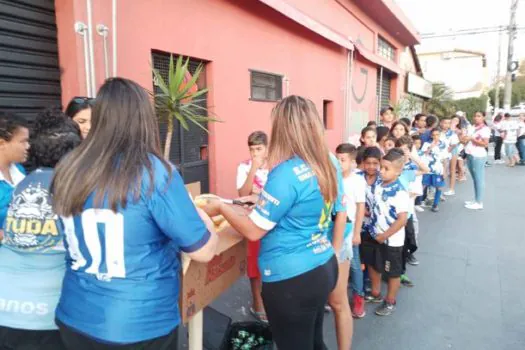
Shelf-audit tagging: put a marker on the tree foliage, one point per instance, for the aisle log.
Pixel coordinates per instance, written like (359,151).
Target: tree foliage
(471,105)
(518,92)
(441,102)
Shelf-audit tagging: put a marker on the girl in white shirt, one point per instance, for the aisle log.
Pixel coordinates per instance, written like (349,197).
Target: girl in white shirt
(476,142)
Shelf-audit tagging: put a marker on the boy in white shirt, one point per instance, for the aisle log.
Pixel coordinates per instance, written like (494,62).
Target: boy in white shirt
(509,131)
(389,218)
(355,191)
(251,178)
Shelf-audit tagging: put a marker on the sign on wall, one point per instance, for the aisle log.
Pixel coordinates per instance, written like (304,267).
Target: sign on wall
(418,86)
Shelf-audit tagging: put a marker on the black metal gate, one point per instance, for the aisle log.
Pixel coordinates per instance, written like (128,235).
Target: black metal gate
(29,69)
(189,149)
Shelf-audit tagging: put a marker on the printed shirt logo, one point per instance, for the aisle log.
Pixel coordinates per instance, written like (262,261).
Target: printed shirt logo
(30,223)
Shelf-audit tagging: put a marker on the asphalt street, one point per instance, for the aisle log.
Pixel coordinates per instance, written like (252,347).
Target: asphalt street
(469,288)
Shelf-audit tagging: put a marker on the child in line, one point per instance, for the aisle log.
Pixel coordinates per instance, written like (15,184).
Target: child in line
(382,135)
(383,251)
(372,124)
(389,144)
(410,178)
(434,151)
(251,178)
(355,191)
(432,123)
(419,124)
(451,140)
(368,137)
(509,130)
(417,145)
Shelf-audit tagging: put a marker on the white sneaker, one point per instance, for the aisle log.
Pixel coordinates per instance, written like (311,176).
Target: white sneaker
(419,208)
(474,206)
(469,202)
(499,161)
(450,193)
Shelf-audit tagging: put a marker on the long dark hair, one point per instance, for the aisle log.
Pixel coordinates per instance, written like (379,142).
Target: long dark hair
(77,104)
(112,159)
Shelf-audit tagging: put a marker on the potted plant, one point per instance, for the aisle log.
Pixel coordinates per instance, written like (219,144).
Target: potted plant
(179,98)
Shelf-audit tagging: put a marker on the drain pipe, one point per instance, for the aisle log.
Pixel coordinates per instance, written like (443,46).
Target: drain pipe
(81,29)
(91,50)
(114,41)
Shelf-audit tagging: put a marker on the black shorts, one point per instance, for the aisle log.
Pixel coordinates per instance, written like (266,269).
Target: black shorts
(24,339)
(382,258)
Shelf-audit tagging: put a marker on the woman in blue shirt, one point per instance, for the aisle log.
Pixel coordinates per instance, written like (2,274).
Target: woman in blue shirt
(292,216)
(126,216)
(32,255)
(14,145)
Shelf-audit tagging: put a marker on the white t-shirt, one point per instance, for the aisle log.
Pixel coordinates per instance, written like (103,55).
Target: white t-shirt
(450,139)
(479,133)
(390,201)
(511,130)
(497,128)
(259,180)
(355,191)
(521,129)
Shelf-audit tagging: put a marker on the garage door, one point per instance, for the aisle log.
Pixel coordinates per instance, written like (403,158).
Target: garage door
(29,70)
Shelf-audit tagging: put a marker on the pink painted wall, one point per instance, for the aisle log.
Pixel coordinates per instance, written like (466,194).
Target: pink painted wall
(234,37)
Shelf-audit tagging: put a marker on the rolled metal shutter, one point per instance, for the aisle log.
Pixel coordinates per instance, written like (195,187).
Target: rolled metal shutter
(385,90)
(29,68)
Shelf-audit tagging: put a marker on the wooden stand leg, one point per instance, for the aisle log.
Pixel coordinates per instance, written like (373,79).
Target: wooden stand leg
(195,329)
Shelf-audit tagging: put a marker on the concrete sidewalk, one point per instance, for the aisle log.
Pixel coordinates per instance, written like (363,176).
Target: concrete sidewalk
(469,291)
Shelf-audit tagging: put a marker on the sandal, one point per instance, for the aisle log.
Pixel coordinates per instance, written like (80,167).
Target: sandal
(259,316)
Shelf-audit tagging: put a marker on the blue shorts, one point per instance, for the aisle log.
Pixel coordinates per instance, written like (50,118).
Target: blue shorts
(433,180)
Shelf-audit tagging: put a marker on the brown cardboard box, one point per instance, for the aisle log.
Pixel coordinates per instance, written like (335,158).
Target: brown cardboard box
(204,282)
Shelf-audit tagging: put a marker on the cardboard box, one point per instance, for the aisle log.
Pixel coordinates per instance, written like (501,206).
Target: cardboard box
(204,282)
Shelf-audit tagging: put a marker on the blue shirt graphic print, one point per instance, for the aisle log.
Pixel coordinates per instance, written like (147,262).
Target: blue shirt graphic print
(32,257)
(293,211)
(122,279)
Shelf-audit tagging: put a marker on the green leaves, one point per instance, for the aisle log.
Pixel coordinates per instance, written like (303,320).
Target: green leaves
(179,97)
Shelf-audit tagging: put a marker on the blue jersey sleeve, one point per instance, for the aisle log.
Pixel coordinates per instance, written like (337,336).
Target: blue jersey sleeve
(276,199)
(175,214)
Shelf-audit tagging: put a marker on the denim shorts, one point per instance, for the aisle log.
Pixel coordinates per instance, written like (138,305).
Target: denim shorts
(510,149)
(346,252)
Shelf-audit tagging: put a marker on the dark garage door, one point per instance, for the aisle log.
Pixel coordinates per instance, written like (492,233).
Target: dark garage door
(29,69)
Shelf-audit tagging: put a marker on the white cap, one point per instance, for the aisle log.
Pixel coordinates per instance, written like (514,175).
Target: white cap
(460,113)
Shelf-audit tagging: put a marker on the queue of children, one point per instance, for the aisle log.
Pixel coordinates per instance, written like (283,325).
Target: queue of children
(88,289)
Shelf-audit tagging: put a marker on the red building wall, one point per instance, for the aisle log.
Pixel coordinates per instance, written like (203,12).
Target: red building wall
(234,36)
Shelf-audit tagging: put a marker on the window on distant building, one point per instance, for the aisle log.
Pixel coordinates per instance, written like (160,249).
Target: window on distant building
(385,49)
(265,86)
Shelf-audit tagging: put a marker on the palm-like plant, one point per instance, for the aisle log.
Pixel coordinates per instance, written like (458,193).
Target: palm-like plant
(441,102)
(180,98)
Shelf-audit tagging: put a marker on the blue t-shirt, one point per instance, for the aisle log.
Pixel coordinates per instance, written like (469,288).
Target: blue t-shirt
(408,175)
(32,263)
(293,211)
(17,173)
(426,136)
(122,277)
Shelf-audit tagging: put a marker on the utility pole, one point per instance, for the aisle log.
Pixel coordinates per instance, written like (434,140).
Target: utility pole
(496,94)
(508,76)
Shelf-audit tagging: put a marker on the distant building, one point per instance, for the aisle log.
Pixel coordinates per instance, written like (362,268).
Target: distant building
(464,71)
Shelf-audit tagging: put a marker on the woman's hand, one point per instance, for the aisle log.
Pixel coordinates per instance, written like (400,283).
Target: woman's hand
(212,206)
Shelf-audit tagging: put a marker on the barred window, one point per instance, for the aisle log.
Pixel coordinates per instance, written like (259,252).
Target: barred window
(385,49)
(265,86)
